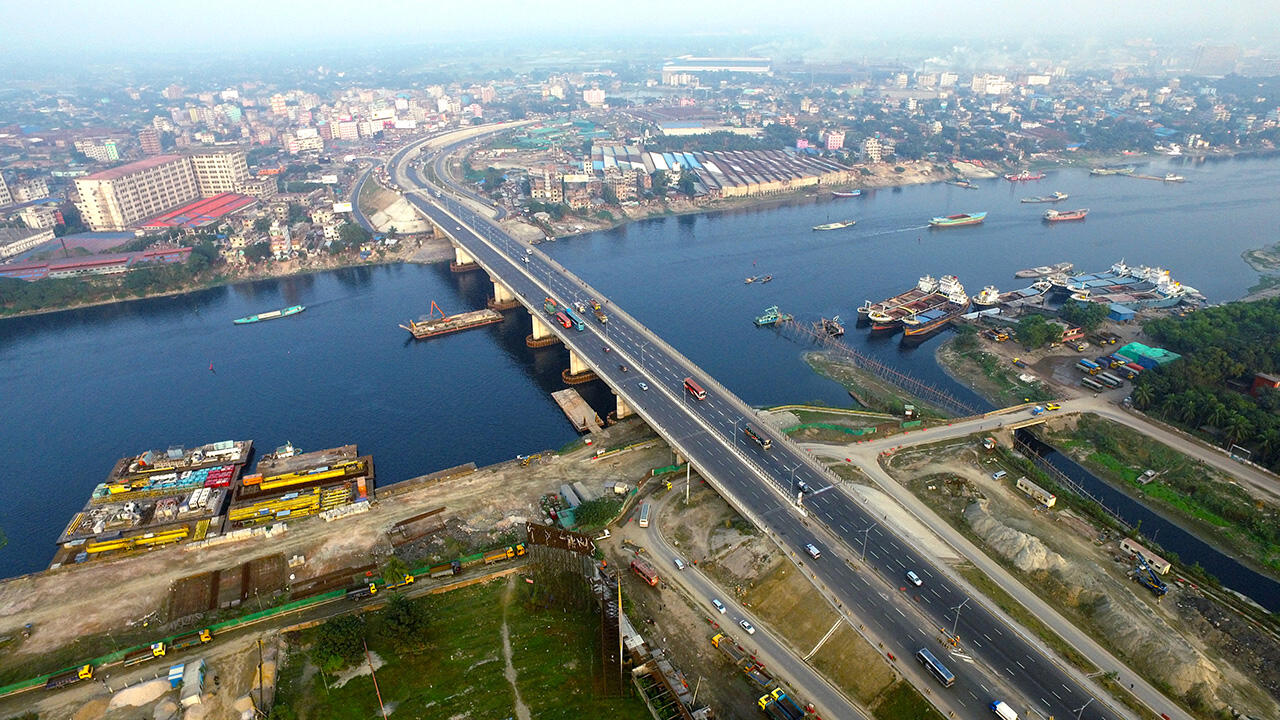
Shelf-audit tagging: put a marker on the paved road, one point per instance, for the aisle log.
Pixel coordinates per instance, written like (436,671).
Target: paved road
(998,661)
(768,650)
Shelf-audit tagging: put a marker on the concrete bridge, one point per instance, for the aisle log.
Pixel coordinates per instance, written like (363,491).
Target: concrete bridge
(784,491)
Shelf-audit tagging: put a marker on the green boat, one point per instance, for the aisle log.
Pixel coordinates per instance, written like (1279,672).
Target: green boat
(771,316)
(286,312)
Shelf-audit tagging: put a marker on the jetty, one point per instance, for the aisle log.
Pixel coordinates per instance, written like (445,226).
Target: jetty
(580,414)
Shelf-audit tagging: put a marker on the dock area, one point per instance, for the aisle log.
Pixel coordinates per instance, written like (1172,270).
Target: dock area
(580,414)
(166,497)
(429,327)
(295,485)
(156,498)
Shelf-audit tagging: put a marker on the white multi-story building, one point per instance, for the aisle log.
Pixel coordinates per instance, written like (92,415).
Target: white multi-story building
(5,197)
(38,217)
(112,200)
(219,172)
(593,97)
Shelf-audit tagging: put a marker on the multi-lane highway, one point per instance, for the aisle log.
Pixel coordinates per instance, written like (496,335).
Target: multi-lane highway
(995,661)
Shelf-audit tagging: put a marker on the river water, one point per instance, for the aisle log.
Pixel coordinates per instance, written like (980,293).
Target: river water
(82,388)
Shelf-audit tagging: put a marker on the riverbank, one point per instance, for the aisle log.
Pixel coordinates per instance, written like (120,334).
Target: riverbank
(419,250)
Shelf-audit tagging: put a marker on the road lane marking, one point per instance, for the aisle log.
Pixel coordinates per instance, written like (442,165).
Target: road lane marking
(1055,694)
(1046,703)
(900,612)
(1011,673)
(1019,664)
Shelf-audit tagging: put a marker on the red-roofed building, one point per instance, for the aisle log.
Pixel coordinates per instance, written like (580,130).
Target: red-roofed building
(201,212)
(93,265)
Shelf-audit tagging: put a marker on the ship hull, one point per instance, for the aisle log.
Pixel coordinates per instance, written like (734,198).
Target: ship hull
(963,220)
(273,315)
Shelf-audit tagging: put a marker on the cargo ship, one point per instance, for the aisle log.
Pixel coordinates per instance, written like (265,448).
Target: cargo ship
(1024,176)
(772,316)
(836,225)
(1066,215)
(924,286)
(1050,198)
(286,312)
(958,220)
(845,193)
(919,325)
(988,297)
(1111,171)
(1133,287)
(430,326)
(917,303)
(1044,270)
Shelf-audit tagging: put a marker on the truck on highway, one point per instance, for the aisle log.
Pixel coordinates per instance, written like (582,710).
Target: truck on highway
(645,571)
(362,592)
(191,639)
(550,306)
(1037,410)
(71,677)
(141,655)
(1003,711)
(780,706)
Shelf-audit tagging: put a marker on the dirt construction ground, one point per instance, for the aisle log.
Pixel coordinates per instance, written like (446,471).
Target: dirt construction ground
(481,508)
(1082,572)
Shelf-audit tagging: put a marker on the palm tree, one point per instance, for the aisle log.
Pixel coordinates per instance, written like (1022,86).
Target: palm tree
(1269,443)
(1217,415)
(1238,428)
(1142,396)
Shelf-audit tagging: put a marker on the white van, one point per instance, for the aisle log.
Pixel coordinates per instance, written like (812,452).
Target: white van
(679,563)
(998,474)
(813,551)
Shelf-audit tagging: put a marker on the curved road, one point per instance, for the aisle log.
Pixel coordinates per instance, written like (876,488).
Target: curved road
(998,661)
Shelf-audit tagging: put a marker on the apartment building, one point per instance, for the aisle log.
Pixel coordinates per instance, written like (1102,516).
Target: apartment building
(220,171)
(112,200)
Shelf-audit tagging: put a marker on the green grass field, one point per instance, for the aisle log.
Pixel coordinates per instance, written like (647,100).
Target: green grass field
(460,672)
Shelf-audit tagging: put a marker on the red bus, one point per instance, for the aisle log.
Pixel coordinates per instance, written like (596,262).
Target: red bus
(694,388)
(563,319)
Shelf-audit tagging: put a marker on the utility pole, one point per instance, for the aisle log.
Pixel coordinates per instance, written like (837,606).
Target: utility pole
(865,534)
(372,674)
(956,623)
(1082,707)
(688,466)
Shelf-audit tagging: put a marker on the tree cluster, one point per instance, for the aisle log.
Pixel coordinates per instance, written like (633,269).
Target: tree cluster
(1088,315)
(1222,349)
(1034,331)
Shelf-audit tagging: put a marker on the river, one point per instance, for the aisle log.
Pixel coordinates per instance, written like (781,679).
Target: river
(85,387)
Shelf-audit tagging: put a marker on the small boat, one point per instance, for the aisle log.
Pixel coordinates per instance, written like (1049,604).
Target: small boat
(836,225)
(958,220)
(964,184)
(832,327)
(749,280)
(845,193)
(1044,270)
(772,316)
(1174,178)
(1053,197)
(988,297)
(1056,216)
(1024,176)
(286,312)
(765,278)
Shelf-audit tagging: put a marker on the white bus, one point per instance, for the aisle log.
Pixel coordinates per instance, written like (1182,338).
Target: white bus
(644,515)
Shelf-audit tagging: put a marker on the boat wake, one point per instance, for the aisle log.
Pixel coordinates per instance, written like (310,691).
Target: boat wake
(913,228)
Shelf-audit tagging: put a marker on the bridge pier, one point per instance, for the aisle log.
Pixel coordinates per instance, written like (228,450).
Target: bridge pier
(541,335)
(463,262)
(503,298)
(578,372)
(623,409)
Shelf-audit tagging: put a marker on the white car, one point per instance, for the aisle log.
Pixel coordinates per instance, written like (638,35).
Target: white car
(644,385)
(718,605)
(751,629)
(914,578)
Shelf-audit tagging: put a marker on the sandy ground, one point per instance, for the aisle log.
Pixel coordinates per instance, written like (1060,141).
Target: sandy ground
(66,604)
(1085,574)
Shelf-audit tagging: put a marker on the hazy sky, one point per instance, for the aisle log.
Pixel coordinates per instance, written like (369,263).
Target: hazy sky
(66,25)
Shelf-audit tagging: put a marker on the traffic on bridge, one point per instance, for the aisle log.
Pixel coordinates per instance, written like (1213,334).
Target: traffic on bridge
(892,590)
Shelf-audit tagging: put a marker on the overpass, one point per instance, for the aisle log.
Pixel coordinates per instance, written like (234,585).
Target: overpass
(783,491)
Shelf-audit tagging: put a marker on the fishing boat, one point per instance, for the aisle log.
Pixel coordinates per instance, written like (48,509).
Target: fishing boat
(1171,177)
(749,280)
(846,193)
(764,278)
(286,312)
(836,225)
(1024,176)
(1050,198)
(958,220)
(831,327)
(963,184)
(1066,215)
